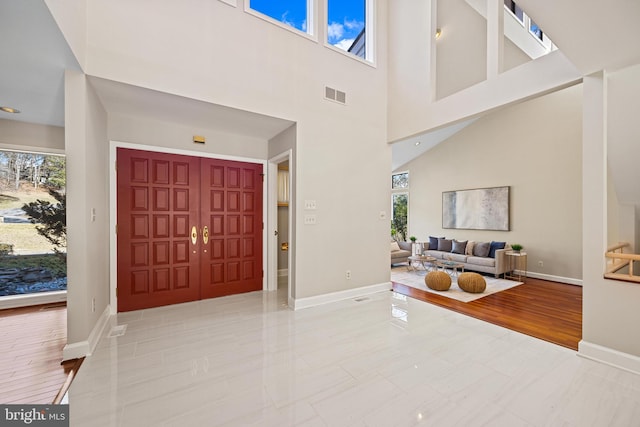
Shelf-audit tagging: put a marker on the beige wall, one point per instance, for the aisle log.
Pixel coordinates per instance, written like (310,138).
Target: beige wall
(609,306)
(177,136)
(87,152)
(211,52)
(533,147)
(29,136)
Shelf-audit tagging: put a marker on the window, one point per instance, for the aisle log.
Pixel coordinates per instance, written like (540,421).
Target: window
(535,30)
(399,205)
(293,13)
(400,180)
(349,26)
(515,9)
(400,216)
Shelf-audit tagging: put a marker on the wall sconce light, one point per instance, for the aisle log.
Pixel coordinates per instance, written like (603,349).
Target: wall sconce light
(438,33)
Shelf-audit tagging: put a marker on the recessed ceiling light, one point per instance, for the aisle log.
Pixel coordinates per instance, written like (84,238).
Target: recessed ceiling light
(9,110)
(417,143)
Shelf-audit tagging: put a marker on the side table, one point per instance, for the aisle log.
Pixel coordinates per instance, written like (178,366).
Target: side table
(517,266)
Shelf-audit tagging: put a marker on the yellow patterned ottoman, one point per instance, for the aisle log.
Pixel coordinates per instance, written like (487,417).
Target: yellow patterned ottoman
(473,283)
(438,281)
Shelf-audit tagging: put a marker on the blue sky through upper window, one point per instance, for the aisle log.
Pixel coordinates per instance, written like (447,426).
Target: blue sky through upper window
(346,18)
(345,21)
(290,12)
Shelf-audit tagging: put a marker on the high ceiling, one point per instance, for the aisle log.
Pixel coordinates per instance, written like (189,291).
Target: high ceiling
(34,57)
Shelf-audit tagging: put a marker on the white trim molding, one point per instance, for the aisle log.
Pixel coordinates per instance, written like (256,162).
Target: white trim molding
(301,303)
(560,279)
(85,348)
(609,356)
(38,298)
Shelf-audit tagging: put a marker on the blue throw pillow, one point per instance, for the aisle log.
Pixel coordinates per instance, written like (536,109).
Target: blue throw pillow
(495,246)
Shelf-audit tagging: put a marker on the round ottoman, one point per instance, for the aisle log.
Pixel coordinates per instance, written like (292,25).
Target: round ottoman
(438,281)
(472,282)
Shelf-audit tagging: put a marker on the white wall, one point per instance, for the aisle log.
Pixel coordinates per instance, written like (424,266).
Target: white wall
(86,148)
(29,136)
(533,147)
(146,131)
(209,51)
(609,306)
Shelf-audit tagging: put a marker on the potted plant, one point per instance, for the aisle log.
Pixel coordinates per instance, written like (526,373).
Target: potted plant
(413,239)
(516,247)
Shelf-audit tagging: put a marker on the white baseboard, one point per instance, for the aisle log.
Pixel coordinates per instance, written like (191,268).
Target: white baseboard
(567,280)
(609,356)
(301,303)
(85,348)
(283,272)
(38,298)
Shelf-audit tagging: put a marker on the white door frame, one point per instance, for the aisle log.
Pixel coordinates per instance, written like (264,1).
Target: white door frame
(272,223)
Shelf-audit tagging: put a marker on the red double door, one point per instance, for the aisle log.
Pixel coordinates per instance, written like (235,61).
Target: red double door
(188,228)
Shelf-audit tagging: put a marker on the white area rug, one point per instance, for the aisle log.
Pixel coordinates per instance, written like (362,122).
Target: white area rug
(415,279)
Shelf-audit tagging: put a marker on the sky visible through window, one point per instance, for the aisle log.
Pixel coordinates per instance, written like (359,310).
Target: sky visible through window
(345,18)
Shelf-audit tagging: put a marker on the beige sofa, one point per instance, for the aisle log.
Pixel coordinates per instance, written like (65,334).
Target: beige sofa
(400,252)
(474,261)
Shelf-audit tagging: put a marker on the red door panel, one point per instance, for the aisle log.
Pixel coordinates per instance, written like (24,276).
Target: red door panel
(232,212)
(158,203)
(160,198)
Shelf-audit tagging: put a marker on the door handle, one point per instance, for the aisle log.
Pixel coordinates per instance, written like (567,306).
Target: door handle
(194,235)
(205,235)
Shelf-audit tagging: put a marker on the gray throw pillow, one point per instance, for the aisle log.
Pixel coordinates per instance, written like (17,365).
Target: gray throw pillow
(459,247)
(433,242)
(481,249)
(445,245)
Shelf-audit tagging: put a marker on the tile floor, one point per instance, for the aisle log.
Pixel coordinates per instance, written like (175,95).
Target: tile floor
(387,360)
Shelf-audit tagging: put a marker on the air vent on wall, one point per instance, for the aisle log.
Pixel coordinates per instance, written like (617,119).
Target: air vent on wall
(335,95)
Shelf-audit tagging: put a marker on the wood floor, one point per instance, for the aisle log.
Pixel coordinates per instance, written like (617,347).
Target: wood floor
(547,310)
(32,339)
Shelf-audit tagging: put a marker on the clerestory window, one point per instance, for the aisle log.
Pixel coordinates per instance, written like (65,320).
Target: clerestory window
(295,14)
(350,27)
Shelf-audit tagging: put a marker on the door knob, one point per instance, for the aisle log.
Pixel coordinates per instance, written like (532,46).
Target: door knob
(205,235)
(194,235)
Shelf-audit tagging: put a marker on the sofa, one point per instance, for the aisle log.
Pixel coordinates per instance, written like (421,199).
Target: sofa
(400,252)
(485,257)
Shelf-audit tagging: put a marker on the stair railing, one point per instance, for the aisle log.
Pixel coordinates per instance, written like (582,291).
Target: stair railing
(617,259)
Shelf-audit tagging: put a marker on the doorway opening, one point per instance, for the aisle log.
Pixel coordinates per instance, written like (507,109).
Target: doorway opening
(280,227)
(32,228)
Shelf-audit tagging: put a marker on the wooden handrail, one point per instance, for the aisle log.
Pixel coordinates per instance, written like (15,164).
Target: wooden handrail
(619,260)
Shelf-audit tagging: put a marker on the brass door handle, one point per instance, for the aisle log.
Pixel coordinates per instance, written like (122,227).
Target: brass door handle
(205,235)
(194,235)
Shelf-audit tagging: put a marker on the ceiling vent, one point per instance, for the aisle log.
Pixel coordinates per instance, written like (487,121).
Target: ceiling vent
(335,95)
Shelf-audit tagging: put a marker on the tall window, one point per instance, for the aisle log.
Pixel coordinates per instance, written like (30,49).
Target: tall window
(350,26)
(33,226)
(399,205)
(293,13)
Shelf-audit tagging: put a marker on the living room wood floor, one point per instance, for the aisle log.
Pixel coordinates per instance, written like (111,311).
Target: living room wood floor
(539,308)
(32,339)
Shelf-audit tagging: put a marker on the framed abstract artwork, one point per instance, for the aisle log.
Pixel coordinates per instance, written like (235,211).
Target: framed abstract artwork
(477,209)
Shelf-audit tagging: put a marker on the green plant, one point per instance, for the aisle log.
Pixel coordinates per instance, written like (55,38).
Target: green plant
(50,218)
(413,239)
(516,247)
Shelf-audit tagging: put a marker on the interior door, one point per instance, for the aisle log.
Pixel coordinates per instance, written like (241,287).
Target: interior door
(188,228)
(231,215)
